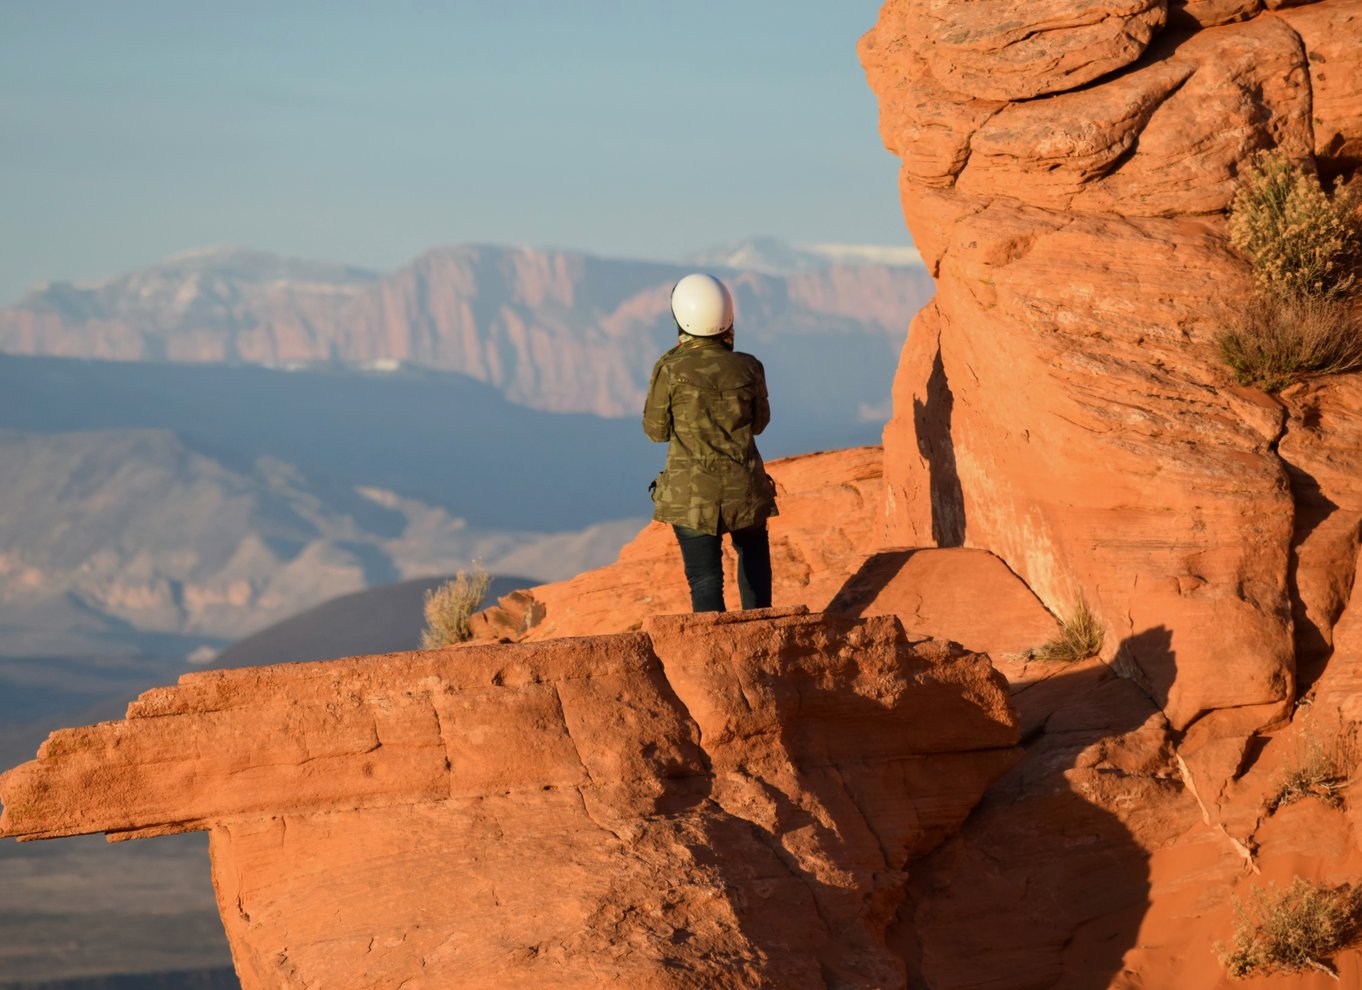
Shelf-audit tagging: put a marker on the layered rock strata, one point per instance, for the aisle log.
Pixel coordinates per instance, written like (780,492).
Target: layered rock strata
(1067,169)
(1066,172)
(717,801)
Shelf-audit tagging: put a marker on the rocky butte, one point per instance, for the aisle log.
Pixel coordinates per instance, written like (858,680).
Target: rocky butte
(843,791)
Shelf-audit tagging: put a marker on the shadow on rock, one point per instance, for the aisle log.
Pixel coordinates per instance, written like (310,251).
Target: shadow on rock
(870,580)
(932,427)
(1046,885)
(1147,659)
(837,751)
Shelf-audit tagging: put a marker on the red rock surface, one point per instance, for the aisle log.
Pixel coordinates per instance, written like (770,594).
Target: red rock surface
(966,596)
(720,800)
(997,50)
(1091,864)
(1060,403)
(1324,462)
(824,556)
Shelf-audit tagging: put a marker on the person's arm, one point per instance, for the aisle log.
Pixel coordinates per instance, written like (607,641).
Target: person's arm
(761,409)
(657,408)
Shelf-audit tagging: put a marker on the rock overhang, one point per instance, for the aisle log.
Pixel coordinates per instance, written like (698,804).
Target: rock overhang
(760,779)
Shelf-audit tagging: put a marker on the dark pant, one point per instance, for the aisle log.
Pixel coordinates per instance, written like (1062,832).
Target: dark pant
(702,555)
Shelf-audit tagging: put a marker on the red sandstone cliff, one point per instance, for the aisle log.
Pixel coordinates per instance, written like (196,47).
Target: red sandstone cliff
(1060,401)
(1066,171)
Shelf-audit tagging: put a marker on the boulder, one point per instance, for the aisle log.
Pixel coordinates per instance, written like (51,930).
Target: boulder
(960,595)
(721,800)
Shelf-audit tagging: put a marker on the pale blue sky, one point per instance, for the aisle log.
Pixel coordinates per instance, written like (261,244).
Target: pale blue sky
(368,132)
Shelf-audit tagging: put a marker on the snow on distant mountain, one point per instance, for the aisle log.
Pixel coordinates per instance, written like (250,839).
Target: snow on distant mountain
(553,330)
(775,257)
(196,284)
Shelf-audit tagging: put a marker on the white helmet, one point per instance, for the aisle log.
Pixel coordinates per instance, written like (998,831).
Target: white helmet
(702,306)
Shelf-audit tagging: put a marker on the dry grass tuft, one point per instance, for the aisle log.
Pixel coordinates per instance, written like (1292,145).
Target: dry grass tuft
(1080,636)
(1292,931)
(1317,769)
(449,607)
(1300,240)
(1276,340)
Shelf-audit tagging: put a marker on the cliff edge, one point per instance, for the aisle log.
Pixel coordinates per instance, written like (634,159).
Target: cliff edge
(716,801)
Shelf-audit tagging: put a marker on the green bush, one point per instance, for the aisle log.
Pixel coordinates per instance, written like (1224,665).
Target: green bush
(1300,240)
(1293,930)
(1276,340)
(449,607)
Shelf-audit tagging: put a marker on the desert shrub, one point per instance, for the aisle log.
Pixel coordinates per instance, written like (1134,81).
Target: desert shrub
(1274,340)
(1293,930)
(1080,636)
(449,606)
(1300,240)
(1318,768)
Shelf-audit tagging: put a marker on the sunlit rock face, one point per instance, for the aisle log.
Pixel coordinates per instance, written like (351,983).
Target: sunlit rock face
(1066,173)
(718,800)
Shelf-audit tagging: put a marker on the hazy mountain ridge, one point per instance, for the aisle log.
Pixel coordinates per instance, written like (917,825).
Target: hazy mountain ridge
(773,256)
(152,508)
(132,528)
(554,330)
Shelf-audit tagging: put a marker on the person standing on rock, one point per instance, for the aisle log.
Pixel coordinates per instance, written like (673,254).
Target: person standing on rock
(708,402)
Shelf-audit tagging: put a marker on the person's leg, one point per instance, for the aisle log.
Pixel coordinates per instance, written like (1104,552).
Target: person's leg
(702,555)
(754,565)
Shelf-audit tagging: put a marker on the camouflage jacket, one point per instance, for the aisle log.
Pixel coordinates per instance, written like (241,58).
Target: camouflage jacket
(708,403)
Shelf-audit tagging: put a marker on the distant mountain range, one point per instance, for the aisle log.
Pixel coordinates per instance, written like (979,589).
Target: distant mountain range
(553,330)
(153,508)
(203,447)
(207,445)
